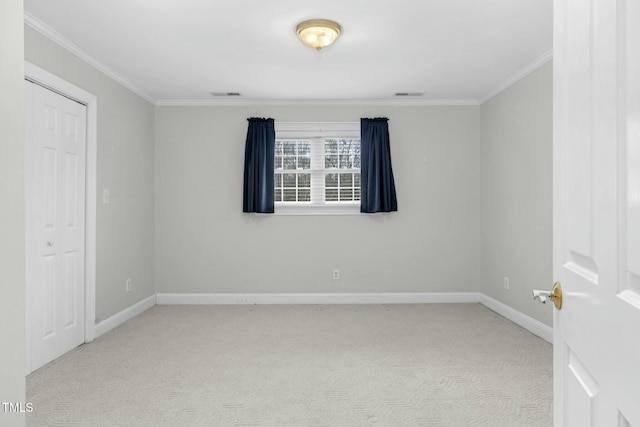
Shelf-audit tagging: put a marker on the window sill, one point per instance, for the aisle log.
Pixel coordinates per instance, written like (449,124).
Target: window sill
(291,209)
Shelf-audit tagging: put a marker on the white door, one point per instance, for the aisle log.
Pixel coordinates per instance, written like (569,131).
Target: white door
(55,212)
(597,212)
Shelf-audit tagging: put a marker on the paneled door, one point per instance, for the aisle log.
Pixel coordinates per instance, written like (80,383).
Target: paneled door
(55,212)
(597,213)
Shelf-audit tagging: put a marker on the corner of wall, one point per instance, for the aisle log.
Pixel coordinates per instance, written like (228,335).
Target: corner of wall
(516,205)
(12,218)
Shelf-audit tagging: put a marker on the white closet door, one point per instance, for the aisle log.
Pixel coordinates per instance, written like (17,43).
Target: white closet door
(55,209)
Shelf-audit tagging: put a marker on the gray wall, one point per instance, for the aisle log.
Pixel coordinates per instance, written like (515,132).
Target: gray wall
(125,237)
(12,223)
(517,193)
(204,243)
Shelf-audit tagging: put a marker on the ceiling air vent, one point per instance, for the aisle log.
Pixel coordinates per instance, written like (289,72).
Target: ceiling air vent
(225,93)
(408,94)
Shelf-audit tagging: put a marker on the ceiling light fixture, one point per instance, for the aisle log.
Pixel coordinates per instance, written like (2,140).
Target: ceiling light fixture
(318,33)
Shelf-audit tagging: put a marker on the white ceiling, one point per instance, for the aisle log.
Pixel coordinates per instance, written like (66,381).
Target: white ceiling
(170,50)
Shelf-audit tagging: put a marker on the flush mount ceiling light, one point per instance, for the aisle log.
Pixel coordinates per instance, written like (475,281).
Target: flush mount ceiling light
(318,33)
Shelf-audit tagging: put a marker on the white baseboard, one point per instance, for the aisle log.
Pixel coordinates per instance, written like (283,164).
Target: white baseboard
(535,327)
(530,324)
(126,314)
(321,298)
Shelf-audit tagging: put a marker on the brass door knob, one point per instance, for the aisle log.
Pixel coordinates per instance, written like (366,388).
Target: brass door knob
(554,294)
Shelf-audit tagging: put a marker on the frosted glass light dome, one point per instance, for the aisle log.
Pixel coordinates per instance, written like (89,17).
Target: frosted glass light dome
(318,33)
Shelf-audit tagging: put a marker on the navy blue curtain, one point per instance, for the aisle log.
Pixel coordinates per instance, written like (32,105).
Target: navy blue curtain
(378,189)
(258,166)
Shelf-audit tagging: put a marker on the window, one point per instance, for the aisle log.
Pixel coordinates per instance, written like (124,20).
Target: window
(317,168)
(342,169)
(292,170)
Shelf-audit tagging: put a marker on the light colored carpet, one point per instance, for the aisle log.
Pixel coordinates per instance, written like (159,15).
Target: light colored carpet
(309,365)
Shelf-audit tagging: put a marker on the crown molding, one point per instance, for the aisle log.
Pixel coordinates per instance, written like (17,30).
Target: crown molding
(315,102)
(65,43)
(546,57)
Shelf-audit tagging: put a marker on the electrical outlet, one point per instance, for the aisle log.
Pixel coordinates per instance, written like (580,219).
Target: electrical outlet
(336,274)
(128,285)
(506,283)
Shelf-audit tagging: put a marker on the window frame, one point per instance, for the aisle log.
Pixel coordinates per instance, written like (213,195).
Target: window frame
(317,131)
